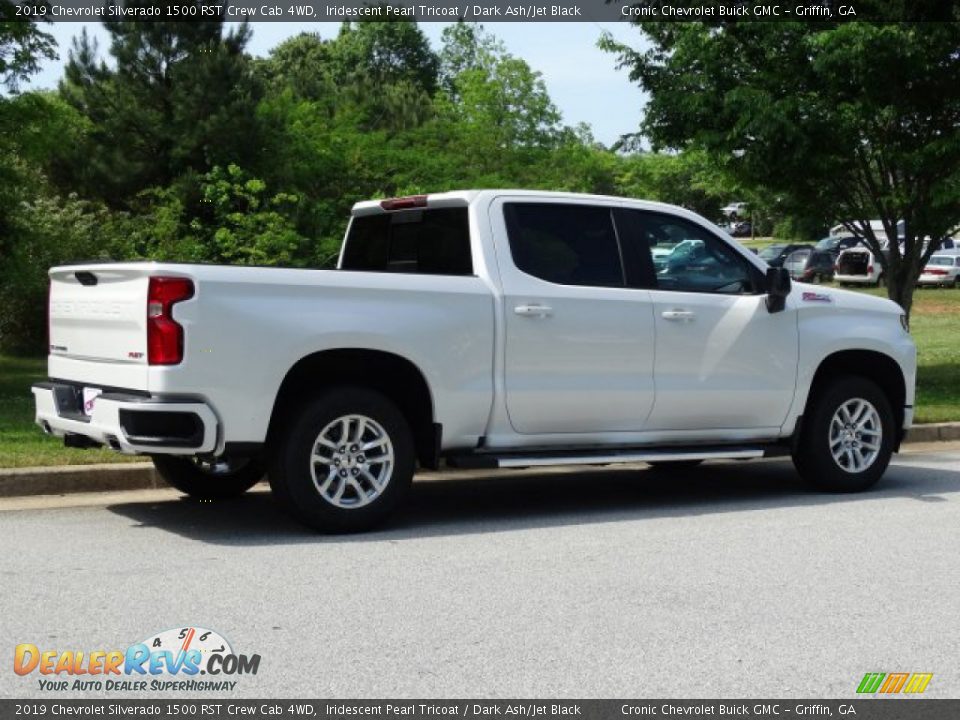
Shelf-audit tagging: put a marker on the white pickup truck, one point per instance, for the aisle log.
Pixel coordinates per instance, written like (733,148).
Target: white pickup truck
(492,328)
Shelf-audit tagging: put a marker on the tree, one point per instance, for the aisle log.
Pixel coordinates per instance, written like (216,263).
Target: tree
(181,99)
(857,120)
(22,46)
(499,101)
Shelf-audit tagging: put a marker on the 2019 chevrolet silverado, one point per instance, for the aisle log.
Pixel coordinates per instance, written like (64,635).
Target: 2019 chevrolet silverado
(493,328)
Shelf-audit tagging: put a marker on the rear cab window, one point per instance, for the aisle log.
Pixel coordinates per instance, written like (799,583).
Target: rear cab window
(565,244)
(424,241)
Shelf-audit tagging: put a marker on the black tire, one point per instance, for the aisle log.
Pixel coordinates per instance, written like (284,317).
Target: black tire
(673,465)
(220,480)
(290,472)
(813,457)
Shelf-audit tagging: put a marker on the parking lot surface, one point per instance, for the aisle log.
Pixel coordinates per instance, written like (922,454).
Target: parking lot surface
(728,580)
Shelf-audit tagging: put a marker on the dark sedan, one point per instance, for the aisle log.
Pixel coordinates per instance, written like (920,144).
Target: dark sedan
(810,265)
(775,254)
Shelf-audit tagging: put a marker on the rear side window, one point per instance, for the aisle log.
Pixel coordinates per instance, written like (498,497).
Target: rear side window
(565,244)
(426,242)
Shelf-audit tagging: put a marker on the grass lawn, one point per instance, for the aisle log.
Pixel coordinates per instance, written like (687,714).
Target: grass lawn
(935,324)
(22,443)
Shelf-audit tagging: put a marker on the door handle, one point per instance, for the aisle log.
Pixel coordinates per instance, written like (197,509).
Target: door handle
(533,310)
(678,315)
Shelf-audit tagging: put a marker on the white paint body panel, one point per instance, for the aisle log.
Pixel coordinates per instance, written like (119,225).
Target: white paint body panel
(603,369)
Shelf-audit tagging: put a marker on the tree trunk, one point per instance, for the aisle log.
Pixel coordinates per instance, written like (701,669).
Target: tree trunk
(901,284)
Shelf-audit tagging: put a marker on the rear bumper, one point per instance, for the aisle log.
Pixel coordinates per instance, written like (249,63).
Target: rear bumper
(934,280)
(855,279)
(129,423)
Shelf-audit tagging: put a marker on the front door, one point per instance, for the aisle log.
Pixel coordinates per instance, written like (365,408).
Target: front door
(723,361)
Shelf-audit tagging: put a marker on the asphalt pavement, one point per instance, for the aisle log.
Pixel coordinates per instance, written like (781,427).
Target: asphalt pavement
(728,580)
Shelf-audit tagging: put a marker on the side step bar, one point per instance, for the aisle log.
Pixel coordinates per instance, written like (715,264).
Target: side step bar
(610,457)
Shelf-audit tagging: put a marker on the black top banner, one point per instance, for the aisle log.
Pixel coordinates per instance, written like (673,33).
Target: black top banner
(482,11)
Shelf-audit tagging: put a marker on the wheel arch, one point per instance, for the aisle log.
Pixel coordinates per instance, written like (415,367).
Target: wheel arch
(879,367)
(394,376)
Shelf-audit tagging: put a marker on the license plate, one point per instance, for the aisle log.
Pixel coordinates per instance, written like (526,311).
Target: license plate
(89,397)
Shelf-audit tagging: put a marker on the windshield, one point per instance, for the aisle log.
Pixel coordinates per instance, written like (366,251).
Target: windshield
(768,253)
(828,243)
(941,260)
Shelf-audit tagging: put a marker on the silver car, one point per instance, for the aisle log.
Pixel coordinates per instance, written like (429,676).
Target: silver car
(942,269)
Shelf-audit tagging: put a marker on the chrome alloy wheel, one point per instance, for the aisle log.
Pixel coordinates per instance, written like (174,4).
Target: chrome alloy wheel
(352,461)
(855,435)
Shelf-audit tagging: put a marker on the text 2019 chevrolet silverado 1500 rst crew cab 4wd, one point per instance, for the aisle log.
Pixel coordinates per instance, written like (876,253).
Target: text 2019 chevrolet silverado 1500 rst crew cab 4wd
(483,329)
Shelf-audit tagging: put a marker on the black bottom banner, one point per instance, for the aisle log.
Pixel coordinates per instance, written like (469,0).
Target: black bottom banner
(220,709)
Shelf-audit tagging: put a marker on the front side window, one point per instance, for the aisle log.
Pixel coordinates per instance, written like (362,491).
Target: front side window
(697,261)
(564,244)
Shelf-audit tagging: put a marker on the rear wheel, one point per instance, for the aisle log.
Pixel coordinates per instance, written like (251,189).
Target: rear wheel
(346,461)
(209,480)
(847,436)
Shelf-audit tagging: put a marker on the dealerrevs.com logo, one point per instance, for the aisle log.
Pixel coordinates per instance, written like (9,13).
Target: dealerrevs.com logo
(166,661)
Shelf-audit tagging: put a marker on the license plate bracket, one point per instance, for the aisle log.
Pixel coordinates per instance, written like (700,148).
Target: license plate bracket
(90,395)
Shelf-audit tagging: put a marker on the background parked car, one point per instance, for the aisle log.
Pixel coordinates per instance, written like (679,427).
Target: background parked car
(942,269)
(810,265)
(858,266)
(734,210)
(775,254)
(740,228)
(835,244)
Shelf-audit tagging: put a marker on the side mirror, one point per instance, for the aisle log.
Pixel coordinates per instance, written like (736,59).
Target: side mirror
(778,287)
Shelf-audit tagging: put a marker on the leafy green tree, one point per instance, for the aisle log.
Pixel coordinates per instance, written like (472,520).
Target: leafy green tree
(242,223)
(301,65)
(23,46)
(49,231)
(859,120)
(180,99)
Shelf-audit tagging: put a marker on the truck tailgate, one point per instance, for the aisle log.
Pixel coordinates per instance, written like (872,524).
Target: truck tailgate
(98,317)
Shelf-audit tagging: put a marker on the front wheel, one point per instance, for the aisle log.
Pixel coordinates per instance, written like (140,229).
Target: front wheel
(214,480)
(346,461)
(847,436)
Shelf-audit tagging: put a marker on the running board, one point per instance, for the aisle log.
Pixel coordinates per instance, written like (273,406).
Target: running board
(610,457)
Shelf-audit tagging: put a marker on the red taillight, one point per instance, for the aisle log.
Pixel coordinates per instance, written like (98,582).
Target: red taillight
(404,203)
(869,269)
(164,334)
(935,271)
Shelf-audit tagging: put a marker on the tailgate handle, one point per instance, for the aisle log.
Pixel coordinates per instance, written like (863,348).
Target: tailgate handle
(85,277)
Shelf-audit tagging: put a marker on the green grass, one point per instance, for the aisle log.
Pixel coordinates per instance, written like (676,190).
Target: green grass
(935,325)
(22,443)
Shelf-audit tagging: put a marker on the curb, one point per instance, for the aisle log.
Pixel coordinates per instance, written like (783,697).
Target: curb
(933,432)
(104,477)
(109,477)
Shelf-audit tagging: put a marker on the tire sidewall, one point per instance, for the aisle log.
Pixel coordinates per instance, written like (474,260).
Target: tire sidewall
(184,475)
(290,474)
(813,456)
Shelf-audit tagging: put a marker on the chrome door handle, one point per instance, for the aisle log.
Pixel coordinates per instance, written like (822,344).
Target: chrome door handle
(533,310)
(678,315)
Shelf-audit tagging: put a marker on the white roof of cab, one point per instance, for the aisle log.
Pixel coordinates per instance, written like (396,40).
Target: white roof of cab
(460,198)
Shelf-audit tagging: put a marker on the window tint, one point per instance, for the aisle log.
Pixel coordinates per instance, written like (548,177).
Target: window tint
(686,257)
(430,242)
(564,244)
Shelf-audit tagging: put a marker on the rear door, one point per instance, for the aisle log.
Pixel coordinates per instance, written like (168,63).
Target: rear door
(579,342)
(722,360)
